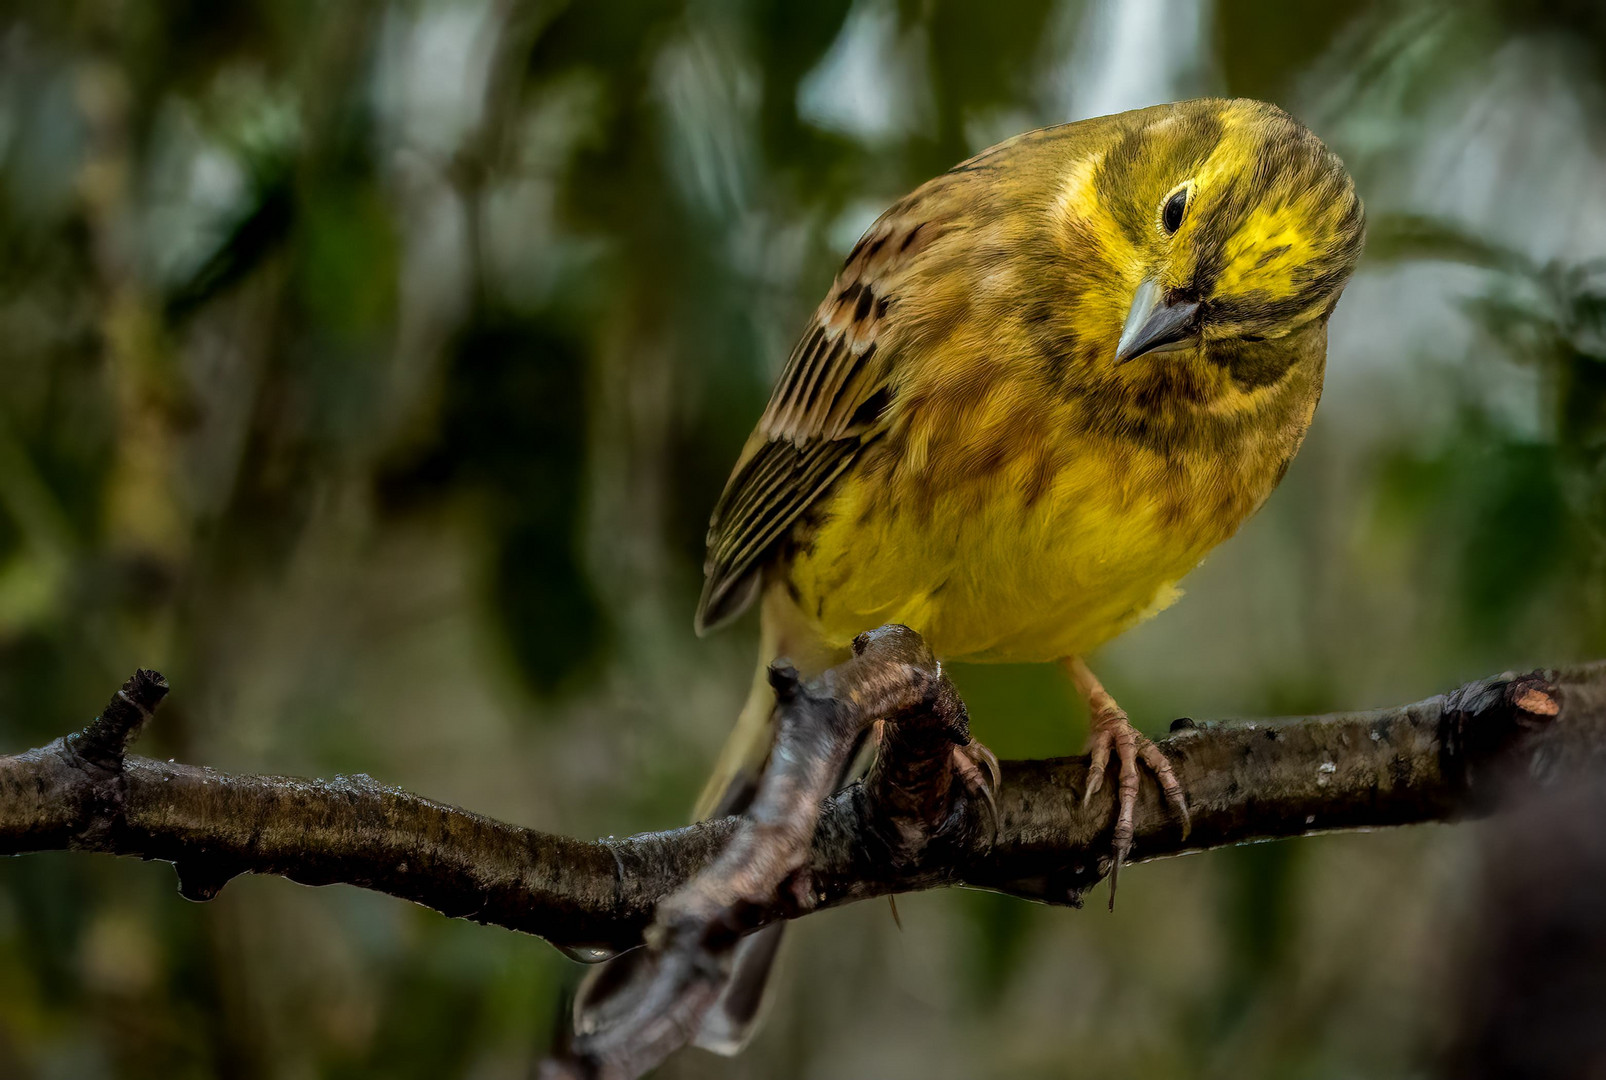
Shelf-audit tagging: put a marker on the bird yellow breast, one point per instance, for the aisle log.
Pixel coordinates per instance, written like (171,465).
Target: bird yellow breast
(1024,536)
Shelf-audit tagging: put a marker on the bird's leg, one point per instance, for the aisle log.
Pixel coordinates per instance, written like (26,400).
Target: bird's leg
(1111,730)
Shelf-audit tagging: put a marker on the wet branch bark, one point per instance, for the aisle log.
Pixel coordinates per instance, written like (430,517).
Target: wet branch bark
(1448,757)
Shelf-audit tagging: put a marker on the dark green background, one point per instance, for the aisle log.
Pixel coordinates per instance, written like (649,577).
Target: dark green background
(370,369)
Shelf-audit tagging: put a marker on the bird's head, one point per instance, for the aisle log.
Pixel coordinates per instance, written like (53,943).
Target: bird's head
(1235,223)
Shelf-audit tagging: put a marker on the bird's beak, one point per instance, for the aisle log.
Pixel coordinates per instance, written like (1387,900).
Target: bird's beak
(1155,326)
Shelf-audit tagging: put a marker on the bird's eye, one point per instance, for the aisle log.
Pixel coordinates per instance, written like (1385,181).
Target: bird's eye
(1171,213)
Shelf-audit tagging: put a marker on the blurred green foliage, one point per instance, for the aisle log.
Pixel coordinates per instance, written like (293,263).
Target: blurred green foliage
(371,368)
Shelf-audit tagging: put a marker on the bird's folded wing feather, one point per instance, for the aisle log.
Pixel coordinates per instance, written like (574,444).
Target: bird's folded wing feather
(831,399)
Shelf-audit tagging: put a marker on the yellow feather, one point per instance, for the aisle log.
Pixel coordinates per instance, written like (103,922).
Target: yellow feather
(1020,496)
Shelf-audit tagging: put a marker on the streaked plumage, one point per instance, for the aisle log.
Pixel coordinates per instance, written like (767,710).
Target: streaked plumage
(954,445)
(951,445)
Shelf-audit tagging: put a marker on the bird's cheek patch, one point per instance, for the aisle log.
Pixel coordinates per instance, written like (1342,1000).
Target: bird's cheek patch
(1263,255)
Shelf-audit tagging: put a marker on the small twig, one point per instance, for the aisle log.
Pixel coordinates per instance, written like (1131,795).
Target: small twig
(106,738)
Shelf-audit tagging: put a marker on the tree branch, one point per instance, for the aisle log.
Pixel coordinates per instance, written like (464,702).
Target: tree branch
(1436,760)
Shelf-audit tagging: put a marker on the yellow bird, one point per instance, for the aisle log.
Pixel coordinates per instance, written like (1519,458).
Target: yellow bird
(1041,388)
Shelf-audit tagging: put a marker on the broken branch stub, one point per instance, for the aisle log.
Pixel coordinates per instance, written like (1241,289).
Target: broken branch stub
(762,874)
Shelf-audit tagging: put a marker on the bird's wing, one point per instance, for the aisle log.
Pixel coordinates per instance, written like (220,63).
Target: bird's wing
(830,400)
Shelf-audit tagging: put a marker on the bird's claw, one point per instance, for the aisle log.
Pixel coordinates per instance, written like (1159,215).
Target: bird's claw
(1113,731)
(977,768)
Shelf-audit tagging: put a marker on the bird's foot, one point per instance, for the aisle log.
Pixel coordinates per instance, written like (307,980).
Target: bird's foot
(1113,732)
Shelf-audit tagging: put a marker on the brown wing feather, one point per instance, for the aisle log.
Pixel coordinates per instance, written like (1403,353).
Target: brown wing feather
(828,402)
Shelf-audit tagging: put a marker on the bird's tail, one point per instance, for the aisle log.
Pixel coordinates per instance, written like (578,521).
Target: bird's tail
(731,785)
